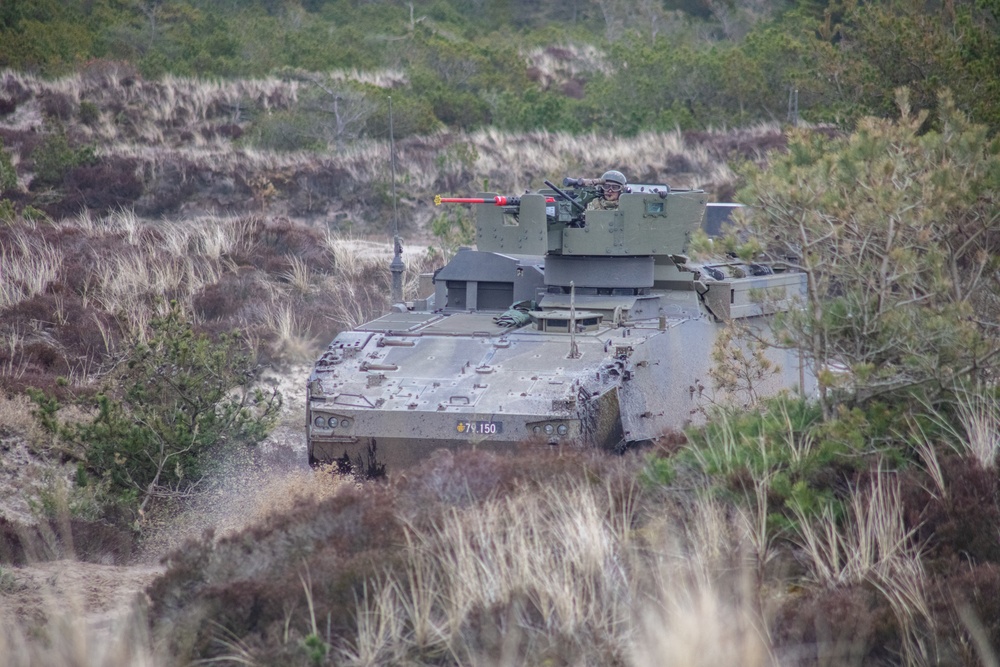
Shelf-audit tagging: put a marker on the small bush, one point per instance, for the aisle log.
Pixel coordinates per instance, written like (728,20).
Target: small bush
(64,537)
(180,396)
(101,187)
(951,527)
(109,75)
(850,625)
(966,605)
(57,105)
(90,114)
(272,242)
(8,173)
(233,295)
(55,157)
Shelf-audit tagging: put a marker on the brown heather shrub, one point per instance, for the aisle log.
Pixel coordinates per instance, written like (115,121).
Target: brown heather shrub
(274,241)
(114,270)
(64,537)
(966,607)
(13,86)
(850,625)
(229,299)
(57,104)
(229,131)
(466,477)
(953,528)
(102,187)
(108,75)
(37,377)
(168,188)
(46,356)
(22,142)
(248,583)
(11,547)
(751,144)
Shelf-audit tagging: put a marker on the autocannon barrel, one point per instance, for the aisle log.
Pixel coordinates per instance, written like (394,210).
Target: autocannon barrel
(499,200)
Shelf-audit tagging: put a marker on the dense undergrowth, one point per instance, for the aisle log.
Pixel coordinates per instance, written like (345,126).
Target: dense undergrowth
(175,148)
(857,528)
(519,66)
(566,559)
(143,346)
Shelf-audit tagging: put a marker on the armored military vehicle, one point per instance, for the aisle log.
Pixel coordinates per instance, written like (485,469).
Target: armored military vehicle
(565,326)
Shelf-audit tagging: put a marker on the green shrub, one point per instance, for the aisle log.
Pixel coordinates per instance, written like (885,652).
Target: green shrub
(180,396)
(89,113)
(8,173)
(453,228)
(786,448)
(55,157)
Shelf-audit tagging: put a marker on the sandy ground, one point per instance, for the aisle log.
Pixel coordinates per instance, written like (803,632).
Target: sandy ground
(101,594)
(241,491)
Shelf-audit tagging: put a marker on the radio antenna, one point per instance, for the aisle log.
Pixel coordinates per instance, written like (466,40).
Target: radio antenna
(396,267)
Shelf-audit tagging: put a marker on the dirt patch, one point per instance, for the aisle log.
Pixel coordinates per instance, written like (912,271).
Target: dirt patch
(102,593)
(244,487)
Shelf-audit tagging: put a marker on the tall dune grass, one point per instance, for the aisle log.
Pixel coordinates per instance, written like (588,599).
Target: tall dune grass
(873,546)
(68,634)
(553,576)
(29,265)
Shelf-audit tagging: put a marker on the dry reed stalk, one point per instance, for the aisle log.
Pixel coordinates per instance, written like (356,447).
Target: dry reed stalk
(382,635)
(287,328)
(552,551)
(932,466)
(977,433)
(29,265)
(874,546)
(979,415)
(298,276)
(554,570)
(70,636)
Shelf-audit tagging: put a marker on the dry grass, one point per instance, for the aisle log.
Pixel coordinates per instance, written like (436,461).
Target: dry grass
(16,415)
(552,576)
(291,340)
(29,265)
(979,416)
(874,546)
(72,613)
(299,276)
(173,128)
(82,287)
(874,542)
(358,288)
(559,65)
(68,639)
(974,429)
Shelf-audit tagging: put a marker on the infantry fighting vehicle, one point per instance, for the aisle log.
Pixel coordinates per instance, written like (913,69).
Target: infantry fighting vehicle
(565,326)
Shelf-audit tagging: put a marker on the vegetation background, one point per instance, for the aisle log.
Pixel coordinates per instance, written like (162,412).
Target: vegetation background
(202,189)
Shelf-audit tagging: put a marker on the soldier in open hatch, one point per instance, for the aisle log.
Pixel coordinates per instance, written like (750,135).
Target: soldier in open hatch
(613,183)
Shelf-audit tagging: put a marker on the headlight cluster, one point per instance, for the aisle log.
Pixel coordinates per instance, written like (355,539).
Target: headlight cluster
(550,429)
(321,421)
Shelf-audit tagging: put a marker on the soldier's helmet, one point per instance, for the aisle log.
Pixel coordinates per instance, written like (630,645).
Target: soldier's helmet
(614,177)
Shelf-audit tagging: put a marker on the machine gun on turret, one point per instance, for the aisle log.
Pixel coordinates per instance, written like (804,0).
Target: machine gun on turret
(569,206)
